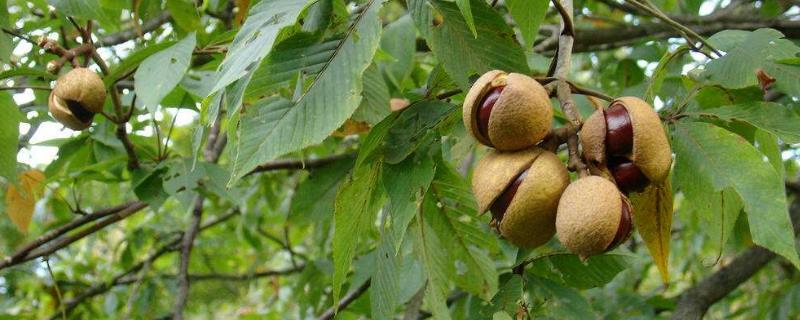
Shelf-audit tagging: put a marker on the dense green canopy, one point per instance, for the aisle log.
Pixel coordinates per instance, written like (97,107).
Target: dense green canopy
(283,159)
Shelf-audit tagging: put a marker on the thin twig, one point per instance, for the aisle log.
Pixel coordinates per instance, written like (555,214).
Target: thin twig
(58,290)
(186,250)
(119,279)
(678,26)
(21,36)
(345,301)
(22,254)
(157,130)
(564,90)
(299,164)
(43,88)
(63,242)
(211,155)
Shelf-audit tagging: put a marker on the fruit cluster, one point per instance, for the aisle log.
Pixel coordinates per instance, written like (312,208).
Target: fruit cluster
(78,95)
(527,189)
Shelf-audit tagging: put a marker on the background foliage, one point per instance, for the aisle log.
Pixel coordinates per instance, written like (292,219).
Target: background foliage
(285,157)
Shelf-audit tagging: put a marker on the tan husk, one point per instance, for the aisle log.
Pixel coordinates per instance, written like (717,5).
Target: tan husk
(588,216)
(496,170)
(529,220)
(61,113)
(651,150)
(593,138)
(473,99)
(82,86)
(521,117)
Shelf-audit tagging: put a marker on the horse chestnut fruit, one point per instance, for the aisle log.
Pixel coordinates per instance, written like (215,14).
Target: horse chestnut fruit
(593,217)
(627,139)
(77,96)
(522,190)
(507,111)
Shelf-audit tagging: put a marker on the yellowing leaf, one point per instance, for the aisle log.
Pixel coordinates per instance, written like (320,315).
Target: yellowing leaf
(652,216)
(19,203)
(244,6)
(351,127)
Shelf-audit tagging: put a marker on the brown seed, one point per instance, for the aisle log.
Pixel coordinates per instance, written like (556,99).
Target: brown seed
(485,110)
(627,175)
(619,131)
(625,226)
(502,202)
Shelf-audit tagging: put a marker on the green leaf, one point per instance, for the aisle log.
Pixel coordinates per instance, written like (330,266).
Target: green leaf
(507,298)
(332,98)
(375,102)
(760,49)
(433,257)
(148,185)
(318,16)
(302,53)
(718,210)
(774,118)
(464,55)
(466,12)
(405,182)
(27,72)
(568,269)
(314,199)
(6,43)
(132,61)
(9,136)
(385,287)
(528,14)
(87,9)
(184,13)
(792,61)
(414,127)
(562,302)
(161,72)
(727,160)
(422,15)
(256,37)
(357,203)
(399,41)
(447,208)
(373,146)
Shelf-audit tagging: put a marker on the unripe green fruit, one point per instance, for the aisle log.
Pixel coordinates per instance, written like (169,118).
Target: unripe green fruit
(522,190)
(593,217)
(507,111)
(626,134)
(77,96)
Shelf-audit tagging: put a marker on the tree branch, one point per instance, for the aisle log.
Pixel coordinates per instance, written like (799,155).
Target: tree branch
(132,33)
(299,164)
(123,278)
(186,251)
(346,301)
(694,302)
(593,39)
(561,70)
(211,154)
(45,245)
